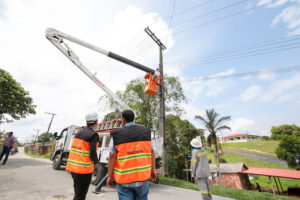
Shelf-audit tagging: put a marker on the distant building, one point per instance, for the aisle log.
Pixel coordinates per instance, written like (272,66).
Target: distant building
(240,137)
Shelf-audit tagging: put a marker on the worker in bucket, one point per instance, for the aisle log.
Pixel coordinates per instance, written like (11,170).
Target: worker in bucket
(83,156)
(131,160)
(200,168)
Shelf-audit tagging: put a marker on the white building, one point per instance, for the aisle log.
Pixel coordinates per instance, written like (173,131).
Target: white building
(240,137)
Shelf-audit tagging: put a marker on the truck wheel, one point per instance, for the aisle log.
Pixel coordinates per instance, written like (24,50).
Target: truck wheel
(98,174)
(56,162)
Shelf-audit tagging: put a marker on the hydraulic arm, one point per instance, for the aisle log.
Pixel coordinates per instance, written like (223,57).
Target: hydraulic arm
(57,39)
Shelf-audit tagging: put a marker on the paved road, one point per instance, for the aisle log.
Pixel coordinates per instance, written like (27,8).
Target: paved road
(259,157)
(33,179)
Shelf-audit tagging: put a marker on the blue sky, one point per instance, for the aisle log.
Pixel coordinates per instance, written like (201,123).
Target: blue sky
(191,32)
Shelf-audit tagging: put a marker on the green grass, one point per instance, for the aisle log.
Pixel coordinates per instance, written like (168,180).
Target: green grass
(225,191)
(251,162)
(262,147)
(46,156)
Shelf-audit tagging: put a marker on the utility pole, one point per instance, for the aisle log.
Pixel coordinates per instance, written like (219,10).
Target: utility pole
(37,134)
(162,117)
(46,136)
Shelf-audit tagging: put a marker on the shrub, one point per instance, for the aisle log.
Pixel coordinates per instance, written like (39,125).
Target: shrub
(26,149)
(223,160)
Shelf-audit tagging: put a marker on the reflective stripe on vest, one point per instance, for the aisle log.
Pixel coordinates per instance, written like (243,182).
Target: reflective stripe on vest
(79,160)
(133,162)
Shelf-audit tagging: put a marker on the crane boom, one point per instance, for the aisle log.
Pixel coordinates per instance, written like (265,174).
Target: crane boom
(57,39)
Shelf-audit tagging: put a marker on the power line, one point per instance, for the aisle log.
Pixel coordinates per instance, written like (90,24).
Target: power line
(285,69)
(239,49)
(194,7)
(221,18)
(170,22)
(244,56)
(212,21)
(184,11)
(208,13)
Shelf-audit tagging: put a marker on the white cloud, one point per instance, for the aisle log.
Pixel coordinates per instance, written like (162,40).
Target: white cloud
(279,87)
(287,97)
(266,75)
(246,77)
(274,3)
(55,84)
(239,124)
(218,86)
(250,93)
(210,87)
(289,16)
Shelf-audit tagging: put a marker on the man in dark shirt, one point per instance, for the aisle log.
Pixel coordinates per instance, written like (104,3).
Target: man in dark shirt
(8,145)
(83,157)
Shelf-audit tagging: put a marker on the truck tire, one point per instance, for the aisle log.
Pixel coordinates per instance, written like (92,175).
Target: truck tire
(98,174)
(56,162)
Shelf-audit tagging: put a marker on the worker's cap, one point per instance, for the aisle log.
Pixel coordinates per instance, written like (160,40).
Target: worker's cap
(196,143)
(91,116)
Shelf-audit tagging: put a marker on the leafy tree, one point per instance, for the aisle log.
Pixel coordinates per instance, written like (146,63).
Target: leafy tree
(112,116)
(214,124)
(42,137)
(287,149)
(285,129)
(179,133)
(146,106)
(14,100)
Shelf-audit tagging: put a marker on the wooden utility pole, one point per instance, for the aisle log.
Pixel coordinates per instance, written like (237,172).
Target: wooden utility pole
(162,116)
(46,136)
(37,134)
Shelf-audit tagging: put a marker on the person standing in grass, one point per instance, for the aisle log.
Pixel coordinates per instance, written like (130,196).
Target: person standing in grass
(200,168)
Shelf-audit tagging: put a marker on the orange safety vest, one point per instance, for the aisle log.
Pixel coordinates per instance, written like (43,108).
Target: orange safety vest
(133,162)
(79,160)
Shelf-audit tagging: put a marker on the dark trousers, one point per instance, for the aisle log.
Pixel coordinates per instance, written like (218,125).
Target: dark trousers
(5,151)
(81,185)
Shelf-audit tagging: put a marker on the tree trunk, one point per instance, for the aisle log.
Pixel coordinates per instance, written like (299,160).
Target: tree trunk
(217,158)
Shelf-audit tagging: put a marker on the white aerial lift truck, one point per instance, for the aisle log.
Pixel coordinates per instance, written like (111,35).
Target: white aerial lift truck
(64,139)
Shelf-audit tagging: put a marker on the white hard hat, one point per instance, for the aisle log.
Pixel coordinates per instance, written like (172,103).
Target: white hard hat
(91,116)
(196,143)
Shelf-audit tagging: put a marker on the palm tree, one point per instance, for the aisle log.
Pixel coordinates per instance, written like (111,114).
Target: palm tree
(214,125)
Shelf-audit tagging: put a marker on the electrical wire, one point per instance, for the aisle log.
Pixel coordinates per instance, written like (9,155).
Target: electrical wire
(222,18)
(238,49)
(244,56)
(170,22)
(285,69)
(206,14)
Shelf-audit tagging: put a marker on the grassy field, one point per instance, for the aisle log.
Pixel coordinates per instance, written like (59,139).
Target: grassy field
(251,162)
(266,148)
(225,191)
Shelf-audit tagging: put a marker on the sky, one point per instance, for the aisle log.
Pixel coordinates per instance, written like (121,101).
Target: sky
(237,56)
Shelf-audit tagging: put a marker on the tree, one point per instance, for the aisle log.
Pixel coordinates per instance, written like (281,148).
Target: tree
(214,124)
(112,116)
(146,106)
(285,129)
(288,148)
(179,133)
(14,100)
(42,137)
